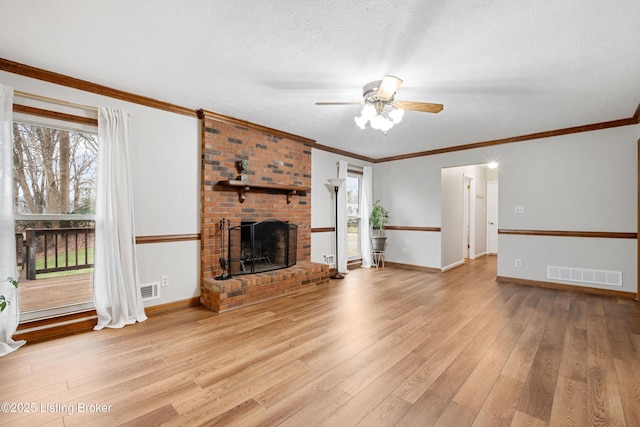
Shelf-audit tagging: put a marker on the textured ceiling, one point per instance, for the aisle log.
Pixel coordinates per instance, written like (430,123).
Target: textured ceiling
(501,68)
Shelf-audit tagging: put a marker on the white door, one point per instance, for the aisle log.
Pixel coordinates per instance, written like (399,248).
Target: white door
(492,216)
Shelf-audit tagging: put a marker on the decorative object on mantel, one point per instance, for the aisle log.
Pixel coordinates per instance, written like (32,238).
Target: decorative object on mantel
(378,219)
(336,183)
(244,187)
(242,166)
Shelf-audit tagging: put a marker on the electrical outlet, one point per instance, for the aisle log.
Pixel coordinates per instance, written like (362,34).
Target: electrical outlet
(404,251)
(519,209)
(518,262)
(165,281)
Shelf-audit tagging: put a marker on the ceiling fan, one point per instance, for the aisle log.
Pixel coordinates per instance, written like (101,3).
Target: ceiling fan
(380,94)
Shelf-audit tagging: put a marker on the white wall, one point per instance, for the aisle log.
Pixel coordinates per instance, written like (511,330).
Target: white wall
(585,181)
(410,190)
(451,236)
(324,165)
(165,152)
(579,182)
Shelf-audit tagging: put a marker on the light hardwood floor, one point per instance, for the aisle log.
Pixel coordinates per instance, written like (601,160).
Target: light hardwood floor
(382,347)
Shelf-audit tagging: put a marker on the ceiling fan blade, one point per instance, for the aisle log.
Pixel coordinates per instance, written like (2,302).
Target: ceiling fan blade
(424,107)
(388,88)
(338,103)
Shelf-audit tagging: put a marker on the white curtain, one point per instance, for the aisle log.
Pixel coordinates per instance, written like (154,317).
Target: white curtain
(117,298)
(341,227)
(10,317)
(366,194)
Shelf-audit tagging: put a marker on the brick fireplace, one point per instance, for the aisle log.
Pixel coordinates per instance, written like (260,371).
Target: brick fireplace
(274,185)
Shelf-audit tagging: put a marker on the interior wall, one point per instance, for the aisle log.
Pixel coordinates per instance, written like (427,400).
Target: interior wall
(578,182)
(589,183)
(452,217)
(166,185)
(410,189)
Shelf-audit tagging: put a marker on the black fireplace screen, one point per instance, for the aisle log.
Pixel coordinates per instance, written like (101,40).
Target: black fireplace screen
(256,247)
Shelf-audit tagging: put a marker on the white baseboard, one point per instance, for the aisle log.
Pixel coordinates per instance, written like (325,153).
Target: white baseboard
(450,266)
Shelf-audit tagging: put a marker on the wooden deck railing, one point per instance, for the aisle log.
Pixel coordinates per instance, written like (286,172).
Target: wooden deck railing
(21,250)
(61,249)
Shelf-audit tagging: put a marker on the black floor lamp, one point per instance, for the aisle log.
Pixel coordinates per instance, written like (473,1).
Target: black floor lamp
(336,183)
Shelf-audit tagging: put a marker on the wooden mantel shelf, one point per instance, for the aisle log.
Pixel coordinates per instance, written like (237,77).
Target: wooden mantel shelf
(244,187)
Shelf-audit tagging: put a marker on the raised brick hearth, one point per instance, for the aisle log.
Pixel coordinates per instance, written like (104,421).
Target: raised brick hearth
(223,295)
(278,179)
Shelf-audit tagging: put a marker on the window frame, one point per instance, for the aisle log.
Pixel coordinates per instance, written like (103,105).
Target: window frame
(352,172)
(31,113)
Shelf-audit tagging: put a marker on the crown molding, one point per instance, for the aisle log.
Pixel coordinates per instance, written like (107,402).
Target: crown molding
(63,80)
(202,114)
(539,135)
(343,153)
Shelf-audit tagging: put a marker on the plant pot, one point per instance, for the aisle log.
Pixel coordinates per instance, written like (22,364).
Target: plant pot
(378,243)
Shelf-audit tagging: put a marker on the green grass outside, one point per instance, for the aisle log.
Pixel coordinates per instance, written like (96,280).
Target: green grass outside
(62,262)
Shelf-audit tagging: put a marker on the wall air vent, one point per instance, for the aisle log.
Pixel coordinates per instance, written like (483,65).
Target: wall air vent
(150,291)
(583,275)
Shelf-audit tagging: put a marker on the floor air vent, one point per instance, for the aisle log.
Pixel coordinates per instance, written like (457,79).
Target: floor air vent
(150,291)
(583,275)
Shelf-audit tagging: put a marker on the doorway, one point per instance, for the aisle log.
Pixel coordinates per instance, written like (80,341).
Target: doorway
(465,229)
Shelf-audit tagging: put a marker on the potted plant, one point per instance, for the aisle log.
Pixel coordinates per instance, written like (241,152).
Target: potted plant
(4,301)
(377,220)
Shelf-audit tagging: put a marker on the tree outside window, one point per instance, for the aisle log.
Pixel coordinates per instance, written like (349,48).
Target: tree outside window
(54,170)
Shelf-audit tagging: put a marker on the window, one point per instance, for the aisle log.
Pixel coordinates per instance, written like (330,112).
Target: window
(55,167)
(354,179)
(54,170)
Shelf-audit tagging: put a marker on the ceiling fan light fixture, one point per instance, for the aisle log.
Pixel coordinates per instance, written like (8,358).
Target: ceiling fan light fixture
(369,111)
(388,88)
(396,115)
(377,96)
(361,121)
(381,122)
(378,118)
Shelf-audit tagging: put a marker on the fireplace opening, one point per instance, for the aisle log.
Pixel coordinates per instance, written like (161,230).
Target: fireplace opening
(256,247)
